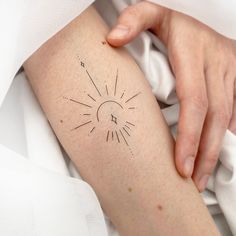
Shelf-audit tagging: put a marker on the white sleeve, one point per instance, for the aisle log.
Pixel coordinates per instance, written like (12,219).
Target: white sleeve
(25,25)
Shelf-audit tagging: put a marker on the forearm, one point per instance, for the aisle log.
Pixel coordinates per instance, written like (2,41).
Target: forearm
(104,114)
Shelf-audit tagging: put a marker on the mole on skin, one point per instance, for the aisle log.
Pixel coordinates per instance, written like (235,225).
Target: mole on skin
(104,42)
(130,189)
(160,208)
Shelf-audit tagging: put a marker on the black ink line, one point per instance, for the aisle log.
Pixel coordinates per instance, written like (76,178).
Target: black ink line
(80,103)
(131,108)
(82,125)
(92,129)
(133,97)
(130,123)
(126,131)
(93,83)
(123,137)
(107,135)
(82,64)
(107,90)
(86,114)
(127,127)
(131,151)
(122,95)
(92,98)
(116,82)
(107,102)
(112,135)
(117,137)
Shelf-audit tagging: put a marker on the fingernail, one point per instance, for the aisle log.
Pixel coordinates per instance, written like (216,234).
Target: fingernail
(119,31)
(203,182)
(188,166)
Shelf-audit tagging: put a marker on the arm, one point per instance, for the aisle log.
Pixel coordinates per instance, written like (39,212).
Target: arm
(104,114)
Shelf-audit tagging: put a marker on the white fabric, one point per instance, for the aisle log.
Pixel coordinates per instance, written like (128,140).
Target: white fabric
(38,196)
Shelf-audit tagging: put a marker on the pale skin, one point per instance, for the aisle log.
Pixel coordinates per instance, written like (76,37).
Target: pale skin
(204,64)
(136,182)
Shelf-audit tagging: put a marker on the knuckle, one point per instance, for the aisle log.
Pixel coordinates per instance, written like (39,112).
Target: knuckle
(222,115)
(200,102)
(132,11)
(211,160)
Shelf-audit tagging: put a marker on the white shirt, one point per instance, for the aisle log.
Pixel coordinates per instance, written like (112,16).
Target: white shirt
(38,196)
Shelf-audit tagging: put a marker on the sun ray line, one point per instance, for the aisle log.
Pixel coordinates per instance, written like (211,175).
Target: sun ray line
(93,83)
(117,137)
(122,95)
(92,97)
(131,108)
(107,89)
(112,135)
(127,127)
(124,138)
(116,82)
(126,131)
(92,129)
(86,114)
(130,123)
(81,125)
(132,97)
(107,135)
(83,104)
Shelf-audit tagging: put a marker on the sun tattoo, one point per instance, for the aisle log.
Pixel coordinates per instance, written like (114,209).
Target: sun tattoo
(116,128)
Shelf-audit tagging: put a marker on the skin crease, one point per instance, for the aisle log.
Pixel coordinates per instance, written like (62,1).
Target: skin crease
(204,64)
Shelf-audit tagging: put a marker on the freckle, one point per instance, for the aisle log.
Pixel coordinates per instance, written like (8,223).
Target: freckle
(104,42)
(130,189)
(61,121)
(160,208)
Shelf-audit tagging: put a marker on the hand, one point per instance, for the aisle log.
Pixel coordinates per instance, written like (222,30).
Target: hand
(204,64)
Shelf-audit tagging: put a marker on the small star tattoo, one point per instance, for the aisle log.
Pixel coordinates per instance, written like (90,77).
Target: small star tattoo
(114,119)
(82,64)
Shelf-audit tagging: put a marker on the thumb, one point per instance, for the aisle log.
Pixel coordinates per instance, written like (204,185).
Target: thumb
(133,20)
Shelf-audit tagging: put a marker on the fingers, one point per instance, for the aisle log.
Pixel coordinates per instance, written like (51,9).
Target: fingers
(215,125)
(191,91)
(133,20)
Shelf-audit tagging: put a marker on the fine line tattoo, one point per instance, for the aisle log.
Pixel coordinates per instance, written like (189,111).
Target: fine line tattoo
(132,97)
(107,90)
(82,125)
(116,128)
(126,131)
(92,98)
(72,100)
(117,137)
(107,135)
(124,138)
(130,123)
(127,127)
(92,129)
(93,83)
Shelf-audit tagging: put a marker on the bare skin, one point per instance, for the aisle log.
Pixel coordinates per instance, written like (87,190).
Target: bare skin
(104,114)
(204,63)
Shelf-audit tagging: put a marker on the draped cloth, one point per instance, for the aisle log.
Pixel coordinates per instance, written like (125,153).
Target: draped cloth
(41,191)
